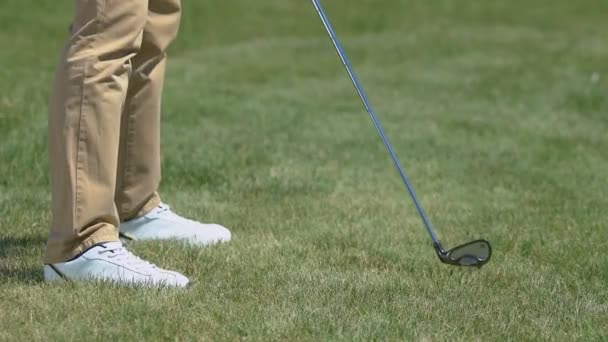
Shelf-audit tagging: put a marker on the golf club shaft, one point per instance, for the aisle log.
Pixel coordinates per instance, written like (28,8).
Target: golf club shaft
(372,115)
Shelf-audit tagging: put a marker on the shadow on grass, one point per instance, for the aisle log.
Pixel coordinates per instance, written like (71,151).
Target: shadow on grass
(25,276)
(15,256)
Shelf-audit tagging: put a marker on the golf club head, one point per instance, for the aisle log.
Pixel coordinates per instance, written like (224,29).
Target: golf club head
(474,253)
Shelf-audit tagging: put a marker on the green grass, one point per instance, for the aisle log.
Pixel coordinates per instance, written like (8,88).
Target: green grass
(499,111)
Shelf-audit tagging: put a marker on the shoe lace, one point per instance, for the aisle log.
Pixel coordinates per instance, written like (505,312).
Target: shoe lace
(162,208)
(165,209)
(123,256)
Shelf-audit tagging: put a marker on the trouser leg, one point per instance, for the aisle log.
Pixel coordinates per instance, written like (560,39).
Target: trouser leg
(88,94)
(139,170)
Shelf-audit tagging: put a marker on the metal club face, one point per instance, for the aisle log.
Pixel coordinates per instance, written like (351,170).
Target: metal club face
(474,253)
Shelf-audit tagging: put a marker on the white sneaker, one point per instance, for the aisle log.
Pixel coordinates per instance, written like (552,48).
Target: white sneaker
(163,224)
(110,261)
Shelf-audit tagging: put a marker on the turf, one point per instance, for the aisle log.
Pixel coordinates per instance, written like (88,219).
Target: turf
(499,111)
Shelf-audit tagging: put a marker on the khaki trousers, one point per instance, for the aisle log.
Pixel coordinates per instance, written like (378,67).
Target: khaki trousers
(104,120)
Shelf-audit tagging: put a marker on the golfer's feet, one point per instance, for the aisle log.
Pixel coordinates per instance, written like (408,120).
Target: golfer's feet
(110,261)
(163,224)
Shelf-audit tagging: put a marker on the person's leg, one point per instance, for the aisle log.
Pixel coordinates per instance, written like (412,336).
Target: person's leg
(142,215)
(139,173)
(84,123)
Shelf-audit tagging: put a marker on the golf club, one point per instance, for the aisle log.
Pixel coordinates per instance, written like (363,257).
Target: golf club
(474,253)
